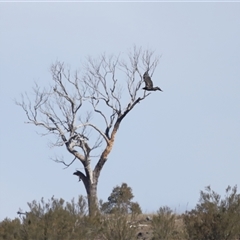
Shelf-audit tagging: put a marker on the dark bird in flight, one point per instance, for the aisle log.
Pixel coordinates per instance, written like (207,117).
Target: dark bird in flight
(149,83)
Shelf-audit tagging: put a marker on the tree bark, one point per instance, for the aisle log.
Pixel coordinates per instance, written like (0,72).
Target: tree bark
(90,182)
(92,197)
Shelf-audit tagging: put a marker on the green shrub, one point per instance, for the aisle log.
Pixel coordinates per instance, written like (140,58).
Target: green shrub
(118,226)
(166,225)
(120,201)
(214,218)
(10,229)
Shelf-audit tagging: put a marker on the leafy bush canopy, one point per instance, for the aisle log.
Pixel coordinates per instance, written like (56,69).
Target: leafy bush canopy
(120,201)
(213,217)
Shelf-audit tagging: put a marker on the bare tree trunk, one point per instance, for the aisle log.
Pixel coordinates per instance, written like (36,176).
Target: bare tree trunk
(90,182)
(92,199)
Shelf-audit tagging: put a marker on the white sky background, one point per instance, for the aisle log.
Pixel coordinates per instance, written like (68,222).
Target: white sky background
(172,144)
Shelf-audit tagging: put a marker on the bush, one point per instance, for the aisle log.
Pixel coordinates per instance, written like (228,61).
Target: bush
(55,219)
(166,225)
(10,229)
(214,218)
(118,226)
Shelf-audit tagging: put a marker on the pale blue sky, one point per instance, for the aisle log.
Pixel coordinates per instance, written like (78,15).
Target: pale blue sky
(171,145)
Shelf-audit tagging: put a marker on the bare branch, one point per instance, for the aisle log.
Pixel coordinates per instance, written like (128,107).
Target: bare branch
(63,162)
(96,128)
(95,104)
(81,176)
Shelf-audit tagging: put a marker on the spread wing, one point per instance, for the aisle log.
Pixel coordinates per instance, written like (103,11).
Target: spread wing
(147,80)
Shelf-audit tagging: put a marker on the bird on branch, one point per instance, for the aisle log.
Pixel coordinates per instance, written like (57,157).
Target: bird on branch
(149,83)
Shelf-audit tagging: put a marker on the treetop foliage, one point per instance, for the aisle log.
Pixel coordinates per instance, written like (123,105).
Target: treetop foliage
(120,200)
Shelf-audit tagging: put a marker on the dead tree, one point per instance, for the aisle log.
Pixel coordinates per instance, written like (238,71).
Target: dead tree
(66,109)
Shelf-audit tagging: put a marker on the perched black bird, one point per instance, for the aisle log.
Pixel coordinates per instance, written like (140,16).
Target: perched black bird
(149,83)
